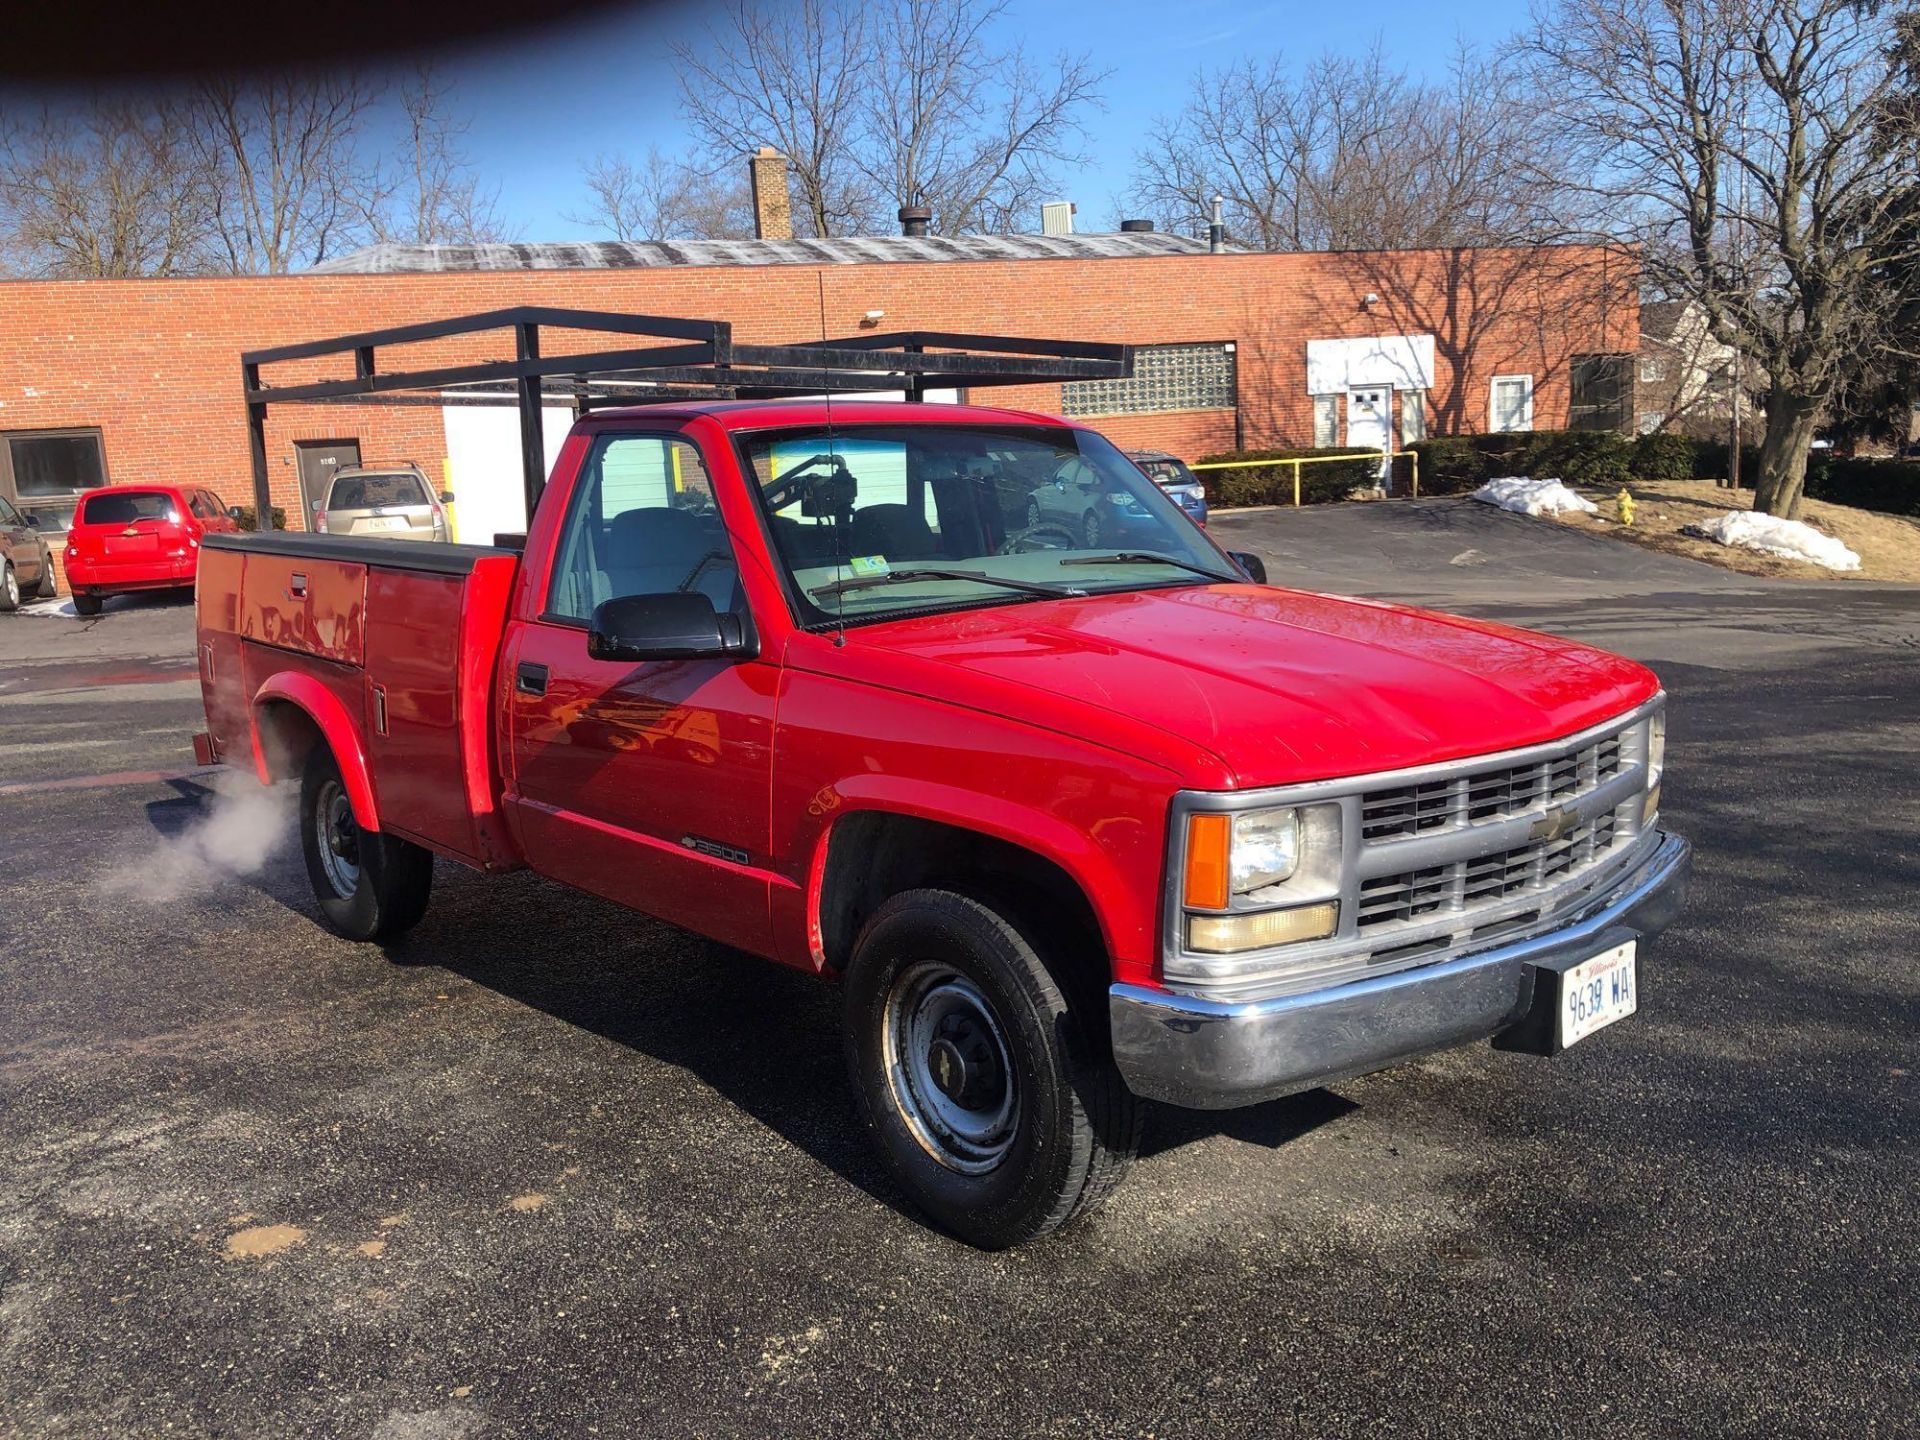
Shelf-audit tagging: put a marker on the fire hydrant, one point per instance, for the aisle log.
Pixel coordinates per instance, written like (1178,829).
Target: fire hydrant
(1624,502)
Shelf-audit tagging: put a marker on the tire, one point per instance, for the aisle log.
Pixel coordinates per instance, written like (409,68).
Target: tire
(370,886)
(1021,1122)
(48,584)
(1090,529)
(86,604)
(1033,513)
(9,587)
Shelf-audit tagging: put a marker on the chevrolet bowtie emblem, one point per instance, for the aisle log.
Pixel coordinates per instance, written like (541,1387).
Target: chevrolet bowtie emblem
(1552,825)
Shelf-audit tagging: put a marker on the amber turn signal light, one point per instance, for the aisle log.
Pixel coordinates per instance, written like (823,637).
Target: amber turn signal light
(1209,841)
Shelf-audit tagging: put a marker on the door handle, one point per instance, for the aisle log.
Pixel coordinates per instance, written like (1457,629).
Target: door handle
(530,679)
(297,587)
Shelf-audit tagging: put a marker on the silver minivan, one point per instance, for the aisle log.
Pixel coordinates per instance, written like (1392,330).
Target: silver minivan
(391,502)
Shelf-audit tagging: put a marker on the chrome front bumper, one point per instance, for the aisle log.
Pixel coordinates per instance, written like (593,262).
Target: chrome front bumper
(1213,1055)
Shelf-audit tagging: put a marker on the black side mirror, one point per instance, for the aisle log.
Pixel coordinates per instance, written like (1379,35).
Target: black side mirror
(446,497)
(235,514)
(1254,567)
(673,626)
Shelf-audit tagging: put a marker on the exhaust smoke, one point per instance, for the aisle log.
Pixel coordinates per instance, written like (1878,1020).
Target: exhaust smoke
(241,825)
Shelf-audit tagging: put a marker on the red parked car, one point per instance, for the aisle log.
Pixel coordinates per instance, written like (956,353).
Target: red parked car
(1075,826)
(139,537)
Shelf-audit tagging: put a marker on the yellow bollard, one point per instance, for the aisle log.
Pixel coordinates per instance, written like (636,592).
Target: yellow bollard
(1625,503)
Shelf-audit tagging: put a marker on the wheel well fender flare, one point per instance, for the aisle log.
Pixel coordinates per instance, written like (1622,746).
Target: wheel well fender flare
(279,749)
(1047,838)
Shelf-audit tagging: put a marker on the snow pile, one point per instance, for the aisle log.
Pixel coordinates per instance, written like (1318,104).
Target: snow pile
(1789,539)
(1533,497)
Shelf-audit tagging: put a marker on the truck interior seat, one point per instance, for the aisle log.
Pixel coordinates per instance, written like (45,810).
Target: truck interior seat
(657,549)
(898,532)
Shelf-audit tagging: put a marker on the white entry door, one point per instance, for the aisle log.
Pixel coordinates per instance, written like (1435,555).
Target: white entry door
(1370,420)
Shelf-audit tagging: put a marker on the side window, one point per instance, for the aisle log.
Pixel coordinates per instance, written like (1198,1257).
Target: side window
(7,515)
(197,502)
(642,521)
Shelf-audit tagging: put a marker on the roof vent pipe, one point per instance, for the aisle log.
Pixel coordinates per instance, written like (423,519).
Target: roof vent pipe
(915,221)
(1217,231)
(1136,227)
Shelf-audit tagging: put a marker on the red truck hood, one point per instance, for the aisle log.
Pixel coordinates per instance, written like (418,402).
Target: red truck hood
(1279,686)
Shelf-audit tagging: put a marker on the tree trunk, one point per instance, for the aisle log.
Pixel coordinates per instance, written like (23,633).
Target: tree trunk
(1783,454)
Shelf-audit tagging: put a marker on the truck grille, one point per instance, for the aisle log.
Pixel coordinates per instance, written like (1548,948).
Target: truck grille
(1467,884)
(1433,806)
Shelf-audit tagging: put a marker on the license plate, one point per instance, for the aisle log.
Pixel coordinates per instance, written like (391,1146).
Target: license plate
(385,522)
(1597,992)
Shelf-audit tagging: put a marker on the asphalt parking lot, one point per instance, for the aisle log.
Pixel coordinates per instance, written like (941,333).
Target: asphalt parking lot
(550,1168)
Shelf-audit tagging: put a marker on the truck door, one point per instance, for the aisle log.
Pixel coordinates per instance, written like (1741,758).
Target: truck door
(646,783)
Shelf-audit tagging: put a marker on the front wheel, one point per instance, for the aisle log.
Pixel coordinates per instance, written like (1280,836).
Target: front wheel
(370,885)
(985,1077)
(9,587)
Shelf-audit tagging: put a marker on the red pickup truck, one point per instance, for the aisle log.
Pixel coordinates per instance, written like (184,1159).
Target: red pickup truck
(1076,819)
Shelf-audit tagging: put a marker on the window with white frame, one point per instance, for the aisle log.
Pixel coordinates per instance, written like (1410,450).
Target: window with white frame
(1510,405)
(1165,377)
(1326,421)
(1413,416)
(1652,369)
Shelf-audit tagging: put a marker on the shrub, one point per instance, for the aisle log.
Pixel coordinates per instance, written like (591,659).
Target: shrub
(1664,455)
(247,518)
(1710,460)
(1450,464)
(1891,486)
(1273,484)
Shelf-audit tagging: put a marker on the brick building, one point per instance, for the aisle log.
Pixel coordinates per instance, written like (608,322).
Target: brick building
(130,381)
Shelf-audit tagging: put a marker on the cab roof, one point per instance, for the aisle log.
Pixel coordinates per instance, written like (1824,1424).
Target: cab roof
(782,414)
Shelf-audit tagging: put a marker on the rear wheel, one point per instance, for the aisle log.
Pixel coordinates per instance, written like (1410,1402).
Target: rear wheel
(984,1075)
(1090,529)
(9,587)
(86,604)
(48,585)
(370,886)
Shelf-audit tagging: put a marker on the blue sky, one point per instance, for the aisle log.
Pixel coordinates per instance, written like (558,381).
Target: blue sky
(547,100)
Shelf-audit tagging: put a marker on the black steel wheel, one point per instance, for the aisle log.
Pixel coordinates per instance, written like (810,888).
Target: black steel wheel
(370,885)
(86,604)
(983,1070)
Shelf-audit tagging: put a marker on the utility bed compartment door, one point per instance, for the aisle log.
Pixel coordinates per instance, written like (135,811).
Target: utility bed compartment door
(318,607)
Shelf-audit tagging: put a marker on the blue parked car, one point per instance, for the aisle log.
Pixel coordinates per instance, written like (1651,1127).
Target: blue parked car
(1172,475)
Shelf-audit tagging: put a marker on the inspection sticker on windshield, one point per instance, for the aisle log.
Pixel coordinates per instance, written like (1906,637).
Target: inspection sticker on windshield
(1597,992)
(868,564)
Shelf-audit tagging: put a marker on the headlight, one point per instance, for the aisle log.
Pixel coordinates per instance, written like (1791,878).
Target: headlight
(1265,849)
(1273,856)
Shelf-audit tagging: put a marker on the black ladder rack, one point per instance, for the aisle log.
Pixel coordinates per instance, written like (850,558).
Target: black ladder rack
(699,359)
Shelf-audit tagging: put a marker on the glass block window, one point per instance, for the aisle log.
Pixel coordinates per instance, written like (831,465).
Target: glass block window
(1165,377)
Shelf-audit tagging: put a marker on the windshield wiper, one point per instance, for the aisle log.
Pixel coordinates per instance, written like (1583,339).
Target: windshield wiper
(1146,557)
(898,577)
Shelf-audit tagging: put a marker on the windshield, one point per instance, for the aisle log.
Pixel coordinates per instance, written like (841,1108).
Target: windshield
(1030,504)
(366,492)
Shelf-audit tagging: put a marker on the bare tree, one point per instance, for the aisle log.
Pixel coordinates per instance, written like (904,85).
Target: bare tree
(431,194)
(877,106)
(968,130)
(111,192)
(661,199)
(289,178)
(791,78)
(1350,154)
(1749,146)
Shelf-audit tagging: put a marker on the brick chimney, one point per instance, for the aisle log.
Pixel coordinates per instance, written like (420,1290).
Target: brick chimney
(772,201)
